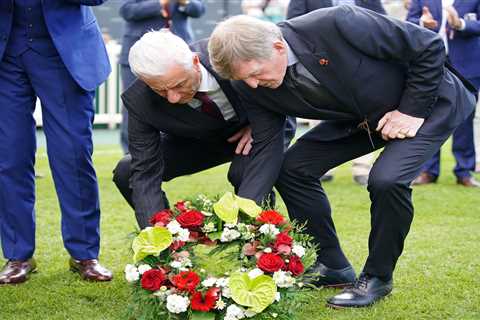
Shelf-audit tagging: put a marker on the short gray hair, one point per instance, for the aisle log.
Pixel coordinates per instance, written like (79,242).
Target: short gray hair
(156,52)
(241,38)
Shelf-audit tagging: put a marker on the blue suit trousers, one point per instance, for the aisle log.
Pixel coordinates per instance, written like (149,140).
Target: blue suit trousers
(68,113)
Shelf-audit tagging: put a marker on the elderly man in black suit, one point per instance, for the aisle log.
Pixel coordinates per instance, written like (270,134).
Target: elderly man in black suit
(183,118)
(400,97)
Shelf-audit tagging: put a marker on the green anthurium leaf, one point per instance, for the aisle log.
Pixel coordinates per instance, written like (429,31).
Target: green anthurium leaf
(248,206)
(216,263)
(227,208)
(151,241)
(257,293)
(214,235)
(197,315)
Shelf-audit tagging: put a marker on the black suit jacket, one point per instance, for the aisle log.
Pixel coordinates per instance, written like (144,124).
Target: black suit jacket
(371,63)
(297,8)
(151,116)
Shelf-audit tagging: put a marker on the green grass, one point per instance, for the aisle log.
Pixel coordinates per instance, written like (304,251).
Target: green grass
(437,277)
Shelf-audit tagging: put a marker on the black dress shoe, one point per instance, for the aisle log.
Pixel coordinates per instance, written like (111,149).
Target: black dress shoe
(333,278)
(366,291)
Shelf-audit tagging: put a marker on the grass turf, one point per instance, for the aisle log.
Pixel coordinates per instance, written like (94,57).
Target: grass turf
(437,276)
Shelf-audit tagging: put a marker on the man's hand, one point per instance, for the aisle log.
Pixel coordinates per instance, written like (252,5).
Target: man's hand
(397,125)
(453,19)
(183,2)
(427,19)
(244,138)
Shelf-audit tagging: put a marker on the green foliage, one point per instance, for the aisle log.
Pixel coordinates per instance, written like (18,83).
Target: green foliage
(215,262)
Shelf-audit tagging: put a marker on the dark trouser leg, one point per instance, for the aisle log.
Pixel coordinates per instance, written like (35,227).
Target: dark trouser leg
(305,162)
(178,161)
(127,79)
(391,196)
(463,148)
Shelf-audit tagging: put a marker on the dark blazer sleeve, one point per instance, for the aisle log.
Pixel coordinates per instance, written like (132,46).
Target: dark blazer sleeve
(132,10)
(194,9)
(415,12)
(472,28)
(266,157)
(388,39)
(296,8)
(145,147)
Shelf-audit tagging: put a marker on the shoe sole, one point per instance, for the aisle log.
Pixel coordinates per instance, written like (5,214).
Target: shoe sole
(337,307)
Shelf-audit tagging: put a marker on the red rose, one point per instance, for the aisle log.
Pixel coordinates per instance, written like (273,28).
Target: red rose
(190,219)
(295,266)
(186,281)
(177,244)
(271,217)
(161,218)
(207,303)
(270,262)
(283,239)
(180,205)
(152,279)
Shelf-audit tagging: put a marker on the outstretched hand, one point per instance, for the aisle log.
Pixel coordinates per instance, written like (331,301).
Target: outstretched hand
(244,138)
(397,125)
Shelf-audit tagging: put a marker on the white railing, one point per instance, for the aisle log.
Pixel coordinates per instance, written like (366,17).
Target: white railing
(107,98)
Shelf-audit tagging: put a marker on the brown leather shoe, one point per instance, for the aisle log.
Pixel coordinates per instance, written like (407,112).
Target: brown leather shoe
(16,271)
(469,182)
(424,178)
(90,270)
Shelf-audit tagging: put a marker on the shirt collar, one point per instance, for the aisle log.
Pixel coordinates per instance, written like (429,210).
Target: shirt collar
(291,57)
(208,83)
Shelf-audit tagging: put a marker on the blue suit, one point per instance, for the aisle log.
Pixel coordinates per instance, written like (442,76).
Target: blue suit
(463,53)
(53,50)
(142,16)
(299,7)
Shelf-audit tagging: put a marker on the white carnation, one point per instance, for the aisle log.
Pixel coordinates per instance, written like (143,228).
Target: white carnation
(183,235)
(298,250)
(229,235)
(177,304)
(283,279)
(132,276)
(209,282)
(226,292)
(235,312)
(143,268)
(222,282)
(278,297)
(269,229)
(176,264)
(174,227)
(130,268)
(255,273)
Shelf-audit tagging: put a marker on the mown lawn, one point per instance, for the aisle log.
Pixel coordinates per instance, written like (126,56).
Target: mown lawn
(438,276)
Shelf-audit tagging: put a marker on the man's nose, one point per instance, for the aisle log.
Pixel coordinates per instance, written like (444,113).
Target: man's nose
(173,96)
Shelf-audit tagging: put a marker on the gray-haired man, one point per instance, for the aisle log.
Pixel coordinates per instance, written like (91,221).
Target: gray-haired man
(400,96)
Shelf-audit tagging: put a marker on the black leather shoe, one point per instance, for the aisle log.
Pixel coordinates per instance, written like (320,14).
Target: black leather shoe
(366,291)
(326,178)
(333,278)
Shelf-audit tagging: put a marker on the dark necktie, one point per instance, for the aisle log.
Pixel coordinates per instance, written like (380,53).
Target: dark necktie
(208,106)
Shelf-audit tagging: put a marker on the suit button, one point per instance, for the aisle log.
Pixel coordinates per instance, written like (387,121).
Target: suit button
(30,40)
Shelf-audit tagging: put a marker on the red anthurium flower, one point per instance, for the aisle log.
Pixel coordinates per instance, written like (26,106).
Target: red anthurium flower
(295,266)
(161,218)
(190,219)
(152,279)
(270,262)
(186,281)
(207,303)
(271,217)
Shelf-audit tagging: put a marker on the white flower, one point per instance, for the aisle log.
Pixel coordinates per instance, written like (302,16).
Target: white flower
(267,250)
(222,282)
(298,250)
(130,268)
(183,235)
(220,305)
(230,225)
(176,264)
(174,227)
(274,315)
(278,297)
(209,227)
(229,235)
(269,229)
(177,304)
(283,279)
(132,276)
(209,282)
(143,268)
(162,293)
(235,312)
(255,273)
(226,292)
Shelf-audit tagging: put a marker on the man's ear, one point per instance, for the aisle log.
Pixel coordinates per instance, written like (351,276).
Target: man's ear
(280,46)
(196,61)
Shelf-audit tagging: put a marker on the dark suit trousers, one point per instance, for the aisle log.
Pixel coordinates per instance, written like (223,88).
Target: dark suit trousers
(389,186)
(182,156)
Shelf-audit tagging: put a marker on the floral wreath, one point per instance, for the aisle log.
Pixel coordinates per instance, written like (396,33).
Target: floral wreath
(229,259)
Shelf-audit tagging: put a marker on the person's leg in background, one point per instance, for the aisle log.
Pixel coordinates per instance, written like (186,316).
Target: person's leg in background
(476,136)
(127,79)
(361,168)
